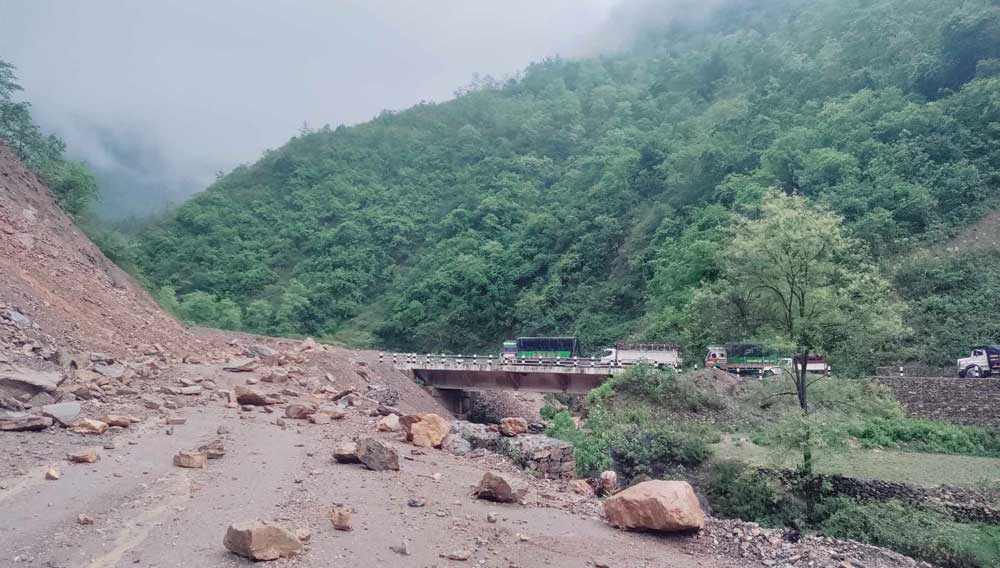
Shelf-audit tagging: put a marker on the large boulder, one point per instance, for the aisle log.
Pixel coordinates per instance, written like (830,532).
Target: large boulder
(492,487)
(377,455)
(64,413)
(260,540)
(21,380)
(247,395)
(347,452)
(664,506)
(300,411)
(480,436)
(425,430)
(18,421)
(513,425)
(456,445)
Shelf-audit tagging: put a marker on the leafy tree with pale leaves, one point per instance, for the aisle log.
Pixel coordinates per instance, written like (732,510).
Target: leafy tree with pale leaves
(794,280)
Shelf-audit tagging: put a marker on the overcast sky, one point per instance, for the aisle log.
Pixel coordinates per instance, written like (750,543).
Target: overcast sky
(194,87)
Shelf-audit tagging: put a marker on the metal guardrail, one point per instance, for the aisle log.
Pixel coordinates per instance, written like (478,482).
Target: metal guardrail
(446,360)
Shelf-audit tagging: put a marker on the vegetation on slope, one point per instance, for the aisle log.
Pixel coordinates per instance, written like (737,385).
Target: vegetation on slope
(590,197)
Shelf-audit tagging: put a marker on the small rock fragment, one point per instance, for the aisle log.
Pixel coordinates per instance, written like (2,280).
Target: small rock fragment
(513,425)
(85,456)
(389,423)
(299,411)
(460,555)
(213,450)
(117,420)
(52,474)
(191,459)
(89,426)
(303,534)
(84,519)
(341,518)
(320,418)
(495,488)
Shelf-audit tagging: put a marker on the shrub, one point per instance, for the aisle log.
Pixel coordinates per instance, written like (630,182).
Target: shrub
(547,412)
(663,387)
(737,491)
(635,451)
(562,427)
(922,534)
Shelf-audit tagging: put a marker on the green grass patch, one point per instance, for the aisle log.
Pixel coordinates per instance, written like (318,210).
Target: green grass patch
(921,534)
(932,436)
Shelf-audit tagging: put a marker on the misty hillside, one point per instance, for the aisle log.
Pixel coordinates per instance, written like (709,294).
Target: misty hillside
(590,197)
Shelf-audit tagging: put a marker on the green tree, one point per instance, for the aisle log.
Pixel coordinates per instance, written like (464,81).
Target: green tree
(258,316)
(809,288)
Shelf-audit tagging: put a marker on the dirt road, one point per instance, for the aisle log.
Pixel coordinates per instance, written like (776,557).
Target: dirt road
(149,513)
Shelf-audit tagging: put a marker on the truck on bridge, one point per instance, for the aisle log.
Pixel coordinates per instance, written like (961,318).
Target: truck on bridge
(658,354)
(541,348)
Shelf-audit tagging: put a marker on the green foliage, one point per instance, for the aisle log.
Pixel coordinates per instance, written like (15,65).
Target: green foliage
(662,387)
(654,451)
(738,491)
(200,308)
(931,436)
(595,197)
(547,412)
(953,300)
(628,427)
(924,535)
(562,425)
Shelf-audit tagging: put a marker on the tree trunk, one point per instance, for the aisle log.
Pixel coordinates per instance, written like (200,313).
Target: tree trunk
(801,387)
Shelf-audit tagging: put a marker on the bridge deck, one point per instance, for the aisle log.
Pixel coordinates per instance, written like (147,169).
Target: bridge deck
(576,376)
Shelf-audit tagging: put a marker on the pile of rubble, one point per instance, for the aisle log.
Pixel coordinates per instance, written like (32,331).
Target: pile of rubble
(783,548)
(539,454)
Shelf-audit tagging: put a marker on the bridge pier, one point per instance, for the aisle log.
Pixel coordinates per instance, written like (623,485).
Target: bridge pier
(456,401)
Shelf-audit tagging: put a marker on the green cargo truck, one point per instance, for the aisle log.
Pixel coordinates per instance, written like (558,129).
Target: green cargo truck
(541,348)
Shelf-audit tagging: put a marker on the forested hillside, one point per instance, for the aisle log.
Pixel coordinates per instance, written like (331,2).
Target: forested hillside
(592,197)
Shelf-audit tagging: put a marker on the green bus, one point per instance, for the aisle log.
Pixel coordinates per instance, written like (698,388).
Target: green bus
(541,348)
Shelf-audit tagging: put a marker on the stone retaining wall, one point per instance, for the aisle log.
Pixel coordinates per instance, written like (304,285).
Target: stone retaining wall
(964,504)
(961,401)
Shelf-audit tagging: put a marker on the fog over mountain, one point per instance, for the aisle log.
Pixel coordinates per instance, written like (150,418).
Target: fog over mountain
(159,97)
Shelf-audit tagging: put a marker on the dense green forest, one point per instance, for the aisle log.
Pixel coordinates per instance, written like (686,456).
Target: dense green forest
(590,197)
(593,197)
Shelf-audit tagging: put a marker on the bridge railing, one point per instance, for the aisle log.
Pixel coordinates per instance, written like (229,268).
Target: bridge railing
(459,360)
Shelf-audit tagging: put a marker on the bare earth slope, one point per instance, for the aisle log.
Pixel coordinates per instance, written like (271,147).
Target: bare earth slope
(52,274)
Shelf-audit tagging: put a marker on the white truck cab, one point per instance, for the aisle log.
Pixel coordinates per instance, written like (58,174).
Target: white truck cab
(983,361)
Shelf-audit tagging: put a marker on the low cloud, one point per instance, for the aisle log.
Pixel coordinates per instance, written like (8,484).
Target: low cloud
(158,97)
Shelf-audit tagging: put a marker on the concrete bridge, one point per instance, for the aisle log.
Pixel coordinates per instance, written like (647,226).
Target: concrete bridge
(450,377)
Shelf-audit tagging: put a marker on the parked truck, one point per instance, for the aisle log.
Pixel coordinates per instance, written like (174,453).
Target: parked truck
(983,361)
(658,354)
(541,348)
(749,359)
